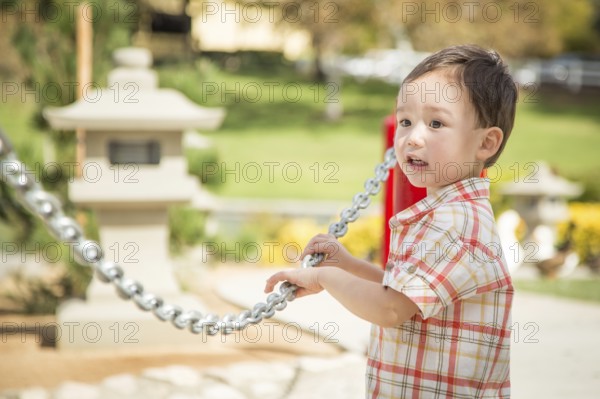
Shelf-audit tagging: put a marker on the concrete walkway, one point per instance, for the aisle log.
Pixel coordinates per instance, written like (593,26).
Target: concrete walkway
(556,348)
(304,378)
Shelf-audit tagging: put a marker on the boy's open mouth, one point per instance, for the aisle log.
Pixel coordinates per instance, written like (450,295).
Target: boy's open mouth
(415,161)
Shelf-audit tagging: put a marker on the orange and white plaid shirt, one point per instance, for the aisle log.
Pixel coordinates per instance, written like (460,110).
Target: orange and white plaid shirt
(445,255)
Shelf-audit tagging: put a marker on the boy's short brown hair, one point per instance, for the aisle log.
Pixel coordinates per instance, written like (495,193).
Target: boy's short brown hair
(491,89)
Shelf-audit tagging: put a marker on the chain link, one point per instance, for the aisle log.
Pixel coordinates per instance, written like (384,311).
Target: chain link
(63,228)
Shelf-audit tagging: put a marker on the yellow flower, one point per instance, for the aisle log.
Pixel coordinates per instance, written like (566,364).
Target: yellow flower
(586,235)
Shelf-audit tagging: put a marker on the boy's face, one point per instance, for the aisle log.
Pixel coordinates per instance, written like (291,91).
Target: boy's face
(437,142)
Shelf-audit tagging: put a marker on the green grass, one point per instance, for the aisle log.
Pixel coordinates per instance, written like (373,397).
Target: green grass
(560,128)
(297,153)
(587,290)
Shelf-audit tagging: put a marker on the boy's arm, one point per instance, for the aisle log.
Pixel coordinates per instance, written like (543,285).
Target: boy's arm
(364,270)
(368,300)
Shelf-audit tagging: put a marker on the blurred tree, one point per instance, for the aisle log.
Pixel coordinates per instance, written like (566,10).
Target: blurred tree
(597,18)
(348,26)
(43,35)
(516,28)
(39,39)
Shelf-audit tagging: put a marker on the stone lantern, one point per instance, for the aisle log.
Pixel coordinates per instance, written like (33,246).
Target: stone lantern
(133,170)
(541,197)
(540,200)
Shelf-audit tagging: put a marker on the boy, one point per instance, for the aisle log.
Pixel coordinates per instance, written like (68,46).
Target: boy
(441,309)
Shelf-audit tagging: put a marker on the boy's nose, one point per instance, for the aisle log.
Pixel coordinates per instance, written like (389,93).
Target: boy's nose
(415,137)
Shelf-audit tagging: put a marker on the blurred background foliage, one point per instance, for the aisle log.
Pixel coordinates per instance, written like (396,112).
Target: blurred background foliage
(543,29)
(38,50)
(38,45)
(586,235)
(517,29)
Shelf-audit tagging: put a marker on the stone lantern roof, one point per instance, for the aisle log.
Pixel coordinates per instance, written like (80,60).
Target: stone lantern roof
(134,110)
(132,102)
(543,182)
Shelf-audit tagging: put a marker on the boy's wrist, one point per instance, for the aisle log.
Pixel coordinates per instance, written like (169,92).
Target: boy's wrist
(322,274)
(318,275)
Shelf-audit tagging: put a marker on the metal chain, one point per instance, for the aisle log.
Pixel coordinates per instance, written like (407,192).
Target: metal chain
(87,252)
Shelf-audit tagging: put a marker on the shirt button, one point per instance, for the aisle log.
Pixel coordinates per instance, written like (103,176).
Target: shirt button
(411,269)
(389,265)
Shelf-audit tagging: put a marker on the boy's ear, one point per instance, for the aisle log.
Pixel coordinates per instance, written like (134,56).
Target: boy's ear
(491,139)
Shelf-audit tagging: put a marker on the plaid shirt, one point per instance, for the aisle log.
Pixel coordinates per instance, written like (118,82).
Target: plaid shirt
(446,257)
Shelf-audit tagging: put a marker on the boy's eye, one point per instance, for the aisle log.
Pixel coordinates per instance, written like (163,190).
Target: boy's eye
(404,123)
(435,124)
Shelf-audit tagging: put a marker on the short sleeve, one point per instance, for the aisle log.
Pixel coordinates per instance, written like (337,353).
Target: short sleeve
(432,266)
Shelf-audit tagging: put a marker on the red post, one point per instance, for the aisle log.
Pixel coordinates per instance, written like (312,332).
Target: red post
(398,193)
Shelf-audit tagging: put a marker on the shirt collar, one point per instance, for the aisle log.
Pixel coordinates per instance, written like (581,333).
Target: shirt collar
(463,190)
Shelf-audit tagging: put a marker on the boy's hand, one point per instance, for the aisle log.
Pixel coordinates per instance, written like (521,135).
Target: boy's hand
(335,253)
(306,279)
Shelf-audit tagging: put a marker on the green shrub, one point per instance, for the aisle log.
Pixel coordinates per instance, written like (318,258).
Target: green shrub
(365,238)
(186,227)
(591,186)
(39,295)
(280,241)
(201,163)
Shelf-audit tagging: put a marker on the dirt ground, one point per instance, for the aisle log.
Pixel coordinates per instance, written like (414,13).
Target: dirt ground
(26,363)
